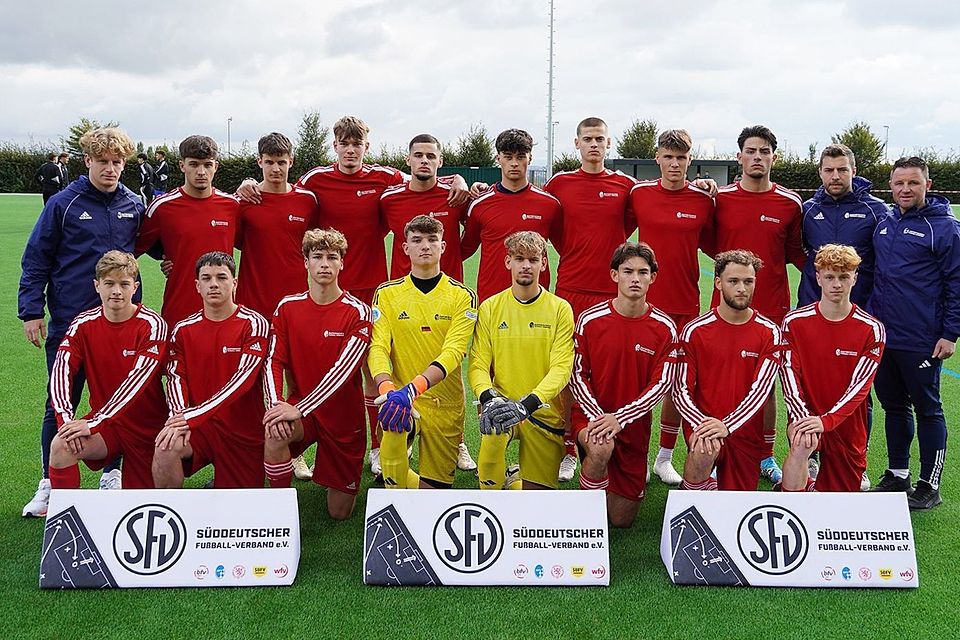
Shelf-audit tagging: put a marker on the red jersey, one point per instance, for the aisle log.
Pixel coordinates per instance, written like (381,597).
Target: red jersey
(186,228)
(674,224)
(270,237)
(350,204)
(596,220)
(321,346)
(123,363)
(213,376)
(829,366)
(768,224)
(622,365)
(727,371)
(399,205)
(495,215)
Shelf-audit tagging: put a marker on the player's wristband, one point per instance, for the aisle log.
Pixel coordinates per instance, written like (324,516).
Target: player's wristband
(489,394)
(420,383)
(386,387)
(531,403)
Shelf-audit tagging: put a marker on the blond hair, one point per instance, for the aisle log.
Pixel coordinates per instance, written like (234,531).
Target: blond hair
(350,128)
(324,240)
(525,243)
(837,257)
(115,260)
(97,143)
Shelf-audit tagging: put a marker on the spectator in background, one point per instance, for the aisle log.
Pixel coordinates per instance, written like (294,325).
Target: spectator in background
(49,177)
(160,173)
(147,178)
(63,163)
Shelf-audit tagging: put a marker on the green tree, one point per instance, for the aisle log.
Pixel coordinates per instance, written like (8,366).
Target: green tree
(639,140)
(866,146)
(473,149)
(312,150)
(72,141)
(387,157)
(566,162)
(812,152)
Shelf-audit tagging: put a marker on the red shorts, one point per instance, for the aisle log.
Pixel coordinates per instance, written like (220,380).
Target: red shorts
(682,320)
(627,470)
(364,295)
(136,449)
(236,465)
(340,453)
(580,301)
(841,462)
(738,465)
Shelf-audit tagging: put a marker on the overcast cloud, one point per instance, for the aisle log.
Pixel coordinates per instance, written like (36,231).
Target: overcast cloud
(172,68)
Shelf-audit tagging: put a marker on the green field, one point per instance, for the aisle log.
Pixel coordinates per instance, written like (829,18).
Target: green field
(329,600)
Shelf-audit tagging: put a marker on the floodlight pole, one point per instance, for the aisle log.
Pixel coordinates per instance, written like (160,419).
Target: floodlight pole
(550,101)
(229,120)
(886,140)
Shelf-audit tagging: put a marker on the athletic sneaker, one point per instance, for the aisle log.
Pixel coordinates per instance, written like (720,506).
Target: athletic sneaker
(568,468)
(110,481)
(924,497)
(464,461)
(512,475)
(375,467)
(770,470)
(813,468)
(301,469)
(890,483)
(864,482)
(667,474)
(37,507)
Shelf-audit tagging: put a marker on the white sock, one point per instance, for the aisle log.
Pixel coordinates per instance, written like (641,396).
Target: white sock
(665,455)
(901,473)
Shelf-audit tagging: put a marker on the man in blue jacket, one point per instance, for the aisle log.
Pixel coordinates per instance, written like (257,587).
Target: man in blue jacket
(843,212)
(93,215)
(916,295)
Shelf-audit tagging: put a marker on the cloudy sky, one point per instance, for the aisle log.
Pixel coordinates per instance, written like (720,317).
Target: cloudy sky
(170,68)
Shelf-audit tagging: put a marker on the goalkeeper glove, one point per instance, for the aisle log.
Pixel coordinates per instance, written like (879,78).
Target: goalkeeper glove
(488,400)
(511,413)
(396,405)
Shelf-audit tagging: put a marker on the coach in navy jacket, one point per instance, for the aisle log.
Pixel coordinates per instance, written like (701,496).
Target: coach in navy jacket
(93,215)
(917,297)
(842,211)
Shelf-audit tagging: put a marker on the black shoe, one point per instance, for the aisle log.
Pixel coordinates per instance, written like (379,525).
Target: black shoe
(890,483)
(923,497)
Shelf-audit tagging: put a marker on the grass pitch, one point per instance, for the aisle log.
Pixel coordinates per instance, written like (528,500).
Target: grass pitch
(329,599)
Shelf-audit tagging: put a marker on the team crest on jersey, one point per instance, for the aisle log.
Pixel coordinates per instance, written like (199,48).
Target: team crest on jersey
(375,313)
(231,349)
(609,194)
(639,348)
(765,218)
(219,223)
(129,352)
(438,214)
(293,218)
(440,316)
(122,214)
(691,216)
(854,215)
(540,325)
(844,352)
(365,192)
(333,334)
(749,354)
(530,216)
(911,232)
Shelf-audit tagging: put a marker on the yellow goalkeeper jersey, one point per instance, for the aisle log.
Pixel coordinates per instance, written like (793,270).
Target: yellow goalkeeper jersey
(524,348)
(411,329)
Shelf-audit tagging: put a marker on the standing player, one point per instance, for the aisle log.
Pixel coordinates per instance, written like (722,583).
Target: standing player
(120,345)
(625,363)
(187,223)
(729,359)
(319,339)
(762,217)
(520,362)
(270,234)
(93,215)
(161,173)
(917,297)
(511,205)
(831,352)
(147,176)
(348,196)
(422,325)
(423,195)
(213,387)
(842,211)
(675,218)
(596,220)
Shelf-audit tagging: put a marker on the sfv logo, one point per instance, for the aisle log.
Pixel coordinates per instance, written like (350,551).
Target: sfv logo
(149,539)
(773,540)
(468,538)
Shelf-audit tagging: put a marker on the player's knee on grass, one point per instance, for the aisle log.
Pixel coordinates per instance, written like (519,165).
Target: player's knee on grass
(339,504)
(622,512)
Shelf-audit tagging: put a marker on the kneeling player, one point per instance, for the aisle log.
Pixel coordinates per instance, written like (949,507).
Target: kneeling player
(422,326)
(319,338)
(519,364)
(624,345)
(832,349)
(120,345)
(729,359)
(213,387)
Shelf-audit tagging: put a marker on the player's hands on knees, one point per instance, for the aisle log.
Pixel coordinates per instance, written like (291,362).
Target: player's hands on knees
(72,433)
(35,331)
(944,349)
(281,430)
(395,409)
(281,412)
(507,414)
(167,437)
(810,424)
(166,267)
(603,429)
(249,191)
(487,424)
